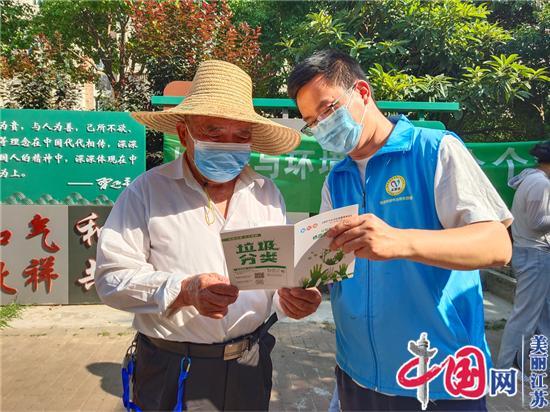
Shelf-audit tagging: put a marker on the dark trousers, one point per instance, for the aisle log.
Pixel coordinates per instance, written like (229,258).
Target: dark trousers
(356,398)
(212,383)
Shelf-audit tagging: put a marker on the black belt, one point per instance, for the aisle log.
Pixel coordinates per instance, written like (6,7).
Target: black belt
(229,350)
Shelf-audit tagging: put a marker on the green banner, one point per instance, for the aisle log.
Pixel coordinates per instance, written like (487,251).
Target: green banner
(300,174)
(502,161)
(70,157)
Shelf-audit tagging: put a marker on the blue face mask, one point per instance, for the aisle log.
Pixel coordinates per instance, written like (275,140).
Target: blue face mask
(220,162)
(339,132)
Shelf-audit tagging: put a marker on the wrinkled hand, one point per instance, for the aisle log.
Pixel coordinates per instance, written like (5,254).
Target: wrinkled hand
(298,303)
(368,236)
(209,293)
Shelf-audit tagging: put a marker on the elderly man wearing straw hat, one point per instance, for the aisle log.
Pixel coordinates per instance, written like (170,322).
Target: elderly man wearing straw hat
(201,344)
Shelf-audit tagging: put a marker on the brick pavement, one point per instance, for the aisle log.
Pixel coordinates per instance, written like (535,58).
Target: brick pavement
(67,368)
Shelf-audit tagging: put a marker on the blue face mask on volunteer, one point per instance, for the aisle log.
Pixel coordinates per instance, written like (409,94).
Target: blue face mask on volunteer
(339,132)
(220,162)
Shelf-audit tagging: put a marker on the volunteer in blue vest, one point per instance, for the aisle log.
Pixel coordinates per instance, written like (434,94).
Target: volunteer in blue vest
(429,218)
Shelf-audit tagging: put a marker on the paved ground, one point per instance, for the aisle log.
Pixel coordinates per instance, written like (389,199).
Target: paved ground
(66,358)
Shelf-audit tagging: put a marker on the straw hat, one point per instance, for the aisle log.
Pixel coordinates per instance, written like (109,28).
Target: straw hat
(221,89)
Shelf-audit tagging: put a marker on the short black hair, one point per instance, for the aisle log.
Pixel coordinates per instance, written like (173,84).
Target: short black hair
(337,68)
(541,151)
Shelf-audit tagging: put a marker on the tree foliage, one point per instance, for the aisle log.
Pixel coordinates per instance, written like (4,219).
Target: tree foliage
(444,50)
(36,77)
(173,37)
(138,46)
(491,57)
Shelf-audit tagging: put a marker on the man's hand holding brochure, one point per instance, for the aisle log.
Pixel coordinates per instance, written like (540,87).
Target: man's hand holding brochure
(288,256)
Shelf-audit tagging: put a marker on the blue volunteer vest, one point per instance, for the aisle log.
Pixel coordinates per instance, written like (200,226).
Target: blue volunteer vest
(388,303)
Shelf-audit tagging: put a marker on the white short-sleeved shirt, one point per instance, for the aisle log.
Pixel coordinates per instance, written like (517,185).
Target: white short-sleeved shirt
(463,193)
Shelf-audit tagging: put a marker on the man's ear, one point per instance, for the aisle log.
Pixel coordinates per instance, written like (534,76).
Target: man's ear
(182,132)
(364,90)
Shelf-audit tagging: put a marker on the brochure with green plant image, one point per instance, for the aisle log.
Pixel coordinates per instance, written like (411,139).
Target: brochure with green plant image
(272,257)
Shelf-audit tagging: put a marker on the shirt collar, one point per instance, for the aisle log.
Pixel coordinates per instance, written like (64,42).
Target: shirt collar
(400,140)
(179,169)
